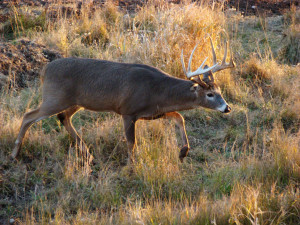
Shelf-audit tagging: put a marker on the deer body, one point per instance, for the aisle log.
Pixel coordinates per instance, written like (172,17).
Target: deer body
(135,91)
(127,89)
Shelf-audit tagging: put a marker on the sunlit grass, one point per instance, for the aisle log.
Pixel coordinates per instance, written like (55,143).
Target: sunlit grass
(243,168)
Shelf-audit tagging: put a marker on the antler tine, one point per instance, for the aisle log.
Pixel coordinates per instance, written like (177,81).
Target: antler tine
(190,59)
(183,64)
(200,67)
(231,62)
(225,54)
(224,65)
(213,51)
(200,70)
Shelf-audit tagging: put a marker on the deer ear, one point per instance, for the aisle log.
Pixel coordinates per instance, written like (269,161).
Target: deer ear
(208,76)
(195,87)
(198,80)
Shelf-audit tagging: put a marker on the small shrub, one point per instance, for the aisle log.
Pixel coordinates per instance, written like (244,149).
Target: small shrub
(292,16)
(290,52)
(146,20)
(92,32)
(20,22)
(98,35)
(254,69)
(290,119)
(285,151)
(110,13)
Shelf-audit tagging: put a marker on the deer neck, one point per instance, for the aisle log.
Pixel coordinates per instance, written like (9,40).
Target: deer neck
(179,97)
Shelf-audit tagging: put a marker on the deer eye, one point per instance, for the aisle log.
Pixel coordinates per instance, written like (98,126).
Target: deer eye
(210,95)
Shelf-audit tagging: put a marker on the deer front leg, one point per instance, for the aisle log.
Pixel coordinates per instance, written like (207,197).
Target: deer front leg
(179,121)
(129,127)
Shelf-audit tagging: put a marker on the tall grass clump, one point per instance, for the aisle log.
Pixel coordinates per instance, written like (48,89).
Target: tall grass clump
(157,154)
(285,151)
(271,80)
(153,35)
(253,204)
(21,22)
(290,51)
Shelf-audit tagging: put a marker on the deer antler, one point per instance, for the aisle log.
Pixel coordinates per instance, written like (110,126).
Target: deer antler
(223,65)
(200,70)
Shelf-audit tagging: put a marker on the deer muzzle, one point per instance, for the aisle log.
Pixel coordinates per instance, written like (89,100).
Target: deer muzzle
(224,108)
(227,109)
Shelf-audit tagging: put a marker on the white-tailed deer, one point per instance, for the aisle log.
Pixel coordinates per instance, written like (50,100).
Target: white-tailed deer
(134,91)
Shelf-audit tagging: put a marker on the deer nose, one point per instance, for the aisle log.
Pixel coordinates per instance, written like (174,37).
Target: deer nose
(227,109)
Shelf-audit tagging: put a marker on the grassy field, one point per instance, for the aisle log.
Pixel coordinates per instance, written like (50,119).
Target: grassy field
(243,167)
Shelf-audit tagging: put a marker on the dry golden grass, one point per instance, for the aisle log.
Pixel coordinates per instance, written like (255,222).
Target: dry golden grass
(243,168)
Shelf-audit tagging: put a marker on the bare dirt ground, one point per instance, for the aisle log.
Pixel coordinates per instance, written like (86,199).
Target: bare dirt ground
(247,7)
(262,7)
(21,61)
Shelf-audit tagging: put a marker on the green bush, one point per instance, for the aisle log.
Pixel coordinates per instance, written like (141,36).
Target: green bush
(20,23)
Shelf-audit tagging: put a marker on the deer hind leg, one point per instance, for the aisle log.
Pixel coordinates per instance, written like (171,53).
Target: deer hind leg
(32,117)
(129,127)
(65,118)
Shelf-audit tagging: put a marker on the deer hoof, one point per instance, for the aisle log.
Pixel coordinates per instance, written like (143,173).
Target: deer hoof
(183,152)
(12,158)
(14,154)
(91,160)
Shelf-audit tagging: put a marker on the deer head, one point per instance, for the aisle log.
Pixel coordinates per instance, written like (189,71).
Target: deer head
(207,91)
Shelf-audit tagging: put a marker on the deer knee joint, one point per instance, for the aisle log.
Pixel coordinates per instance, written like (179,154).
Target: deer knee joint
(61,117)
(183,152)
